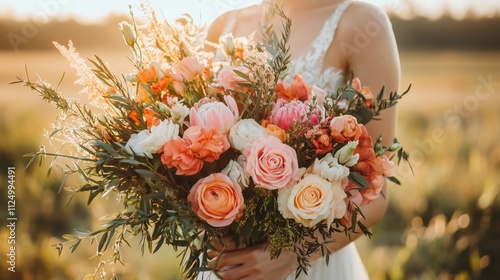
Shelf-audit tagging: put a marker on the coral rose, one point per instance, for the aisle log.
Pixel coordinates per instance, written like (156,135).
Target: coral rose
(271,164)
(312,200)
(217,199)
(345,128)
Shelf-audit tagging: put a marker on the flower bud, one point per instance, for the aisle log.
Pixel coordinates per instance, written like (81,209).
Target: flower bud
(394,147)
(128,33)
(227,44)
(345,154)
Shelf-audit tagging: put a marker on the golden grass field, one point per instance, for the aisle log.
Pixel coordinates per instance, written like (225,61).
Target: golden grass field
(449,122)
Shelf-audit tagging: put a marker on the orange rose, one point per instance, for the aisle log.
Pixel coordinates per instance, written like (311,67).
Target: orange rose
(365,91)
(217,199)
(345,128)
(274,130)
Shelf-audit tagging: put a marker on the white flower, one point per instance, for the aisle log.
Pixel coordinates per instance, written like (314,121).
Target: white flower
(243,132)
(312,201)
(179,112)
(147,143)
(330,169)
(345,154)
(235,171)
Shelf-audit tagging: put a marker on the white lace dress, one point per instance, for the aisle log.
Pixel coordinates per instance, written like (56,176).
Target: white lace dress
(344,264)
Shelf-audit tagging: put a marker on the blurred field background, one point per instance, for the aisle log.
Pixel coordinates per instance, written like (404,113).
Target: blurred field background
(443,222)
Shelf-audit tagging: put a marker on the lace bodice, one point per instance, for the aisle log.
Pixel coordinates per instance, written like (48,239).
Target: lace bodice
(310,65)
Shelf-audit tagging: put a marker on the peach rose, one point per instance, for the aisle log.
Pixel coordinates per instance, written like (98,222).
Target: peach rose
(217,199)
(312,200)
(345,128)
(271,164)
(176,153)
(365,91)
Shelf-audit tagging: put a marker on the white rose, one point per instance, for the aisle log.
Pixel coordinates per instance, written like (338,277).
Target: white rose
(330,169)
(312,200)
(243,132)
(235,171)
(345,154)
(136,144)
(147,143)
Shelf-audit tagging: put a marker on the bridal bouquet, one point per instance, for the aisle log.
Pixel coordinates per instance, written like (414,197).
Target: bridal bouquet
(200,146)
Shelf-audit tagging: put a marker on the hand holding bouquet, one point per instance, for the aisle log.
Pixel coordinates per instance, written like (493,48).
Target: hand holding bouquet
(201,149)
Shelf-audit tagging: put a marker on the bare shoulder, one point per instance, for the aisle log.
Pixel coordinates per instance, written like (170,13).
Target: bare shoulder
(364,25)
(217,27)
(360,13)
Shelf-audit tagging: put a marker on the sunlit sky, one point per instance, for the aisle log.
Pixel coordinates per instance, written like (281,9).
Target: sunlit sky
(206,10)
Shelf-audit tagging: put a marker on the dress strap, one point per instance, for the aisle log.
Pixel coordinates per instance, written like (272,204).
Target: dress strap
(325,38)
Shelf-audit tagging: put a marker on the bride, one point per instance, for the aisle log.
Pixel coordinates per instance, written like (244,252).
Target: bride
(329,38)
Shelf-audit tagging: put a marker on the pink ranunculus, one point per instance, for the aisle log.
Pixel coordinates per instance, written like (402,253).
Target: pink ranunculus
(228,79)
(345,128)
(176,153)
(217,199)
(216,115)
(206,144)
(284,114)
(271,164)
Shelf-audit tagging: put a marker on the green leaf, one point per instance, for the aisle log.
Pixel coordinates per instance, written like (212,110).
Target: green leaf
(102,242)
(358,179)
(394,180)
(145,173)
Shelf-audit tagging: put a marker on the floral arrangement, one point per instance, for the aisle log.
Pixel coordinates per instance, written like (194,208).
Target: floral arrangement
(199,148)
